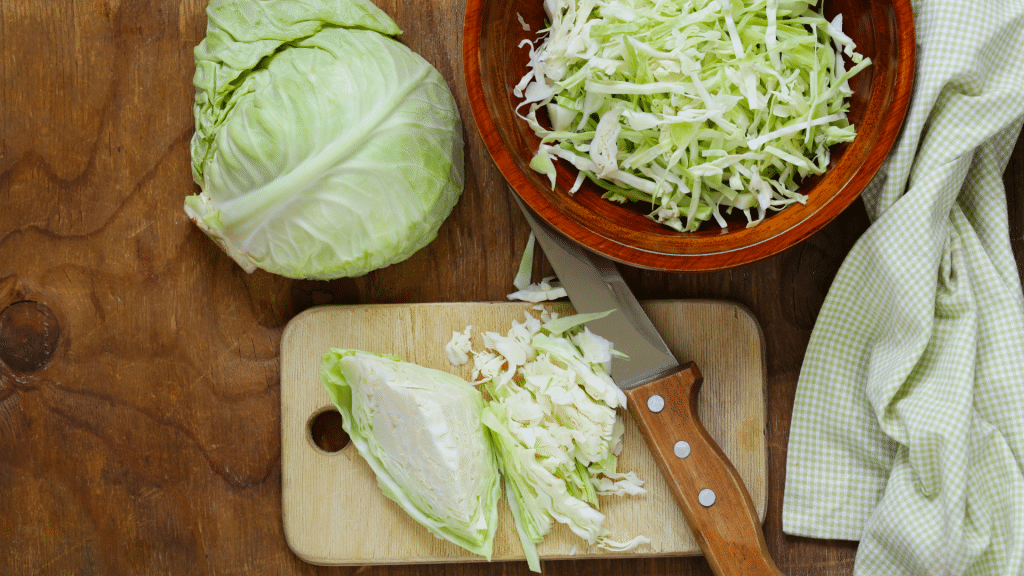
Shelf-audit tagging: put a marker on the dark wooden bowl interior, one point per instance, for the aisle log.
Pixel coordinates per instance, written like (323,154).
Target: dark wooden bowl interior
(495,62)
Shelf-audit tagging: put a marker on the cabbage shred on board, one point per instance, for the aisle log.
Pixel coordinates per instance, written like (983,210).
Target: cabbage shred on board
(553,418)
(323,146)
(698,108)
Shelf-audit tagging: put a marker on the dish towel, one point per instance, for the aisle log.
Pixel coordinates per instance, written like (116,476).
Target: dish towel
(908,424)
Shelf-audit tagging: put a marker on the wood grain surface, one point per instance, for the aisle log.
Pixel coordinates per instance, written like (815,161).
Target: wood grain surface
(139,366)
(721,337)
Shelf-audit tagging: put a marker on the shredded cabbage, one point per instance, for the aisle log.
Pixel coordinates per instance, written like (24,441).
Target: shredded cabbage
(553,419)
(547,289)
(525,271)
(696,107)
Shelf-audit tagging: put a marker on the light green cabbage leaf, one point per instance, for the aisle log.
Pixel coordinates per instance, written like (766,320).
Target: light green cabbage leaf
(421,432)
(323,146)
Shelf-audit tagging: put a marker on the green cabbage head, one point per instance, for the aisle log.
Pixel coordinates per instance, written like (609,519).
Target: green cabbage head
(323,147)
(420,430)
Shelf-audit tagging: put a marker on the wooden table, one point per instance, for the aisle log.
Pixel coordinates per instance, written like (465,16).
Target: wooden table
(139,387)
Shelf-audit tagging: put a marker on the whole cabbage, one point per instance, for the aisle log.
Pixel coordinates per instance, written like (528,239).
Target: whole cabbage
(324,147)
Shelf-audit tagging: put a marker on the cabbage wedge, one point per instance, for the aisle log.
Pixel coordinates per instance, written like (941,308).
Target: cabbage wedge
(420,431)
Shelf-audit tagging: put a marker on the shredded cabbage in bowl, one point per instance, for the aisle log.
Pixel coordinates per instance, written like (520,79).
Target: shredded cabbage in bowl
(697,107)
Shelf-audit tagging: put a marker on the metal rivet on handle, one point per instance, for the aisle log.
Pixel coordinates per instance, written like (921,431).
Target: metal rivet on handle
(656,403)
(681,449)
(706,497)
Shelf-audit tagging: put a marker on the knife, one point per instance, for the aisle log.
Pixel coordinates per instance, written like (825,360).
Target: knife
(662,396)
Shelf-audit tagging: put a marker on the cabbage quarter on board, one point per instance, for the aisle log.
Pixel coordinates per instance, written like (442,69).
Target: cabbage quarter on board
(420,431)
(694,108)
(324,147)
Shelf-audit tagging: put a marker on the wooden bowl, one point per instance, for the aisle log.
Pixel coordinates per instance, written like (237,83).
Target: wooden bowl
(494,63)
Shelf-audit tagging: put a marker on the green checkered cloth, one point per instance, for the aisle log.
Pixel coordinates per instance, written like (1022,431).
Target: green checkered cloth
(908,426)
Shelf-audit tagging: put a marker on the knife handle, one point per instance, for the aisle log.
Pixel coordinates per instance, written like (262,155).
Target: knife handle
(703,481)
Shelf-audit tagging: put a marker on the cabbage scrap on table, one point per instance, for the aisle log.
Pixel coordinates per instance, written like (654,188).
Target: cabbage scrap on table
(549,287)
(323,146)
(697,108)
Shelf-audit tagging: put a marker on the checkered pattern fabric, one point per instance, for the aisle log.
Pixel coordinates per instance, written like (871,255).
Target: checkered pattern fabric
(908,426)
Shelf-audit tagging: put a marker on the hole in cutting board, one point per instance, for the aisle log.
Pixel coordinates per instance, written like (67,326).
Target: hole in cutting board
(325,431)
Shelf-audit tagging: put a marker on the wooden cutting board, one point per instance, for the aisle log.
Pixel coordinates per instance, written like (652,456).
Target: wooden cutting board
(334,513)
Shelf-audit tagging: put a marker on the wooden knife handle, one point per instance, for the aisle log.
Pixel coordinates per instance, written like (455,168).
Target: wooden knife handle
(704,482)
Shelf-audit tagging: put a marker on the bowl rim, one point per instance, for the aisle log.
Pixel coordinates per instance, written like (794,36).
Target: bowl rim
(708,260)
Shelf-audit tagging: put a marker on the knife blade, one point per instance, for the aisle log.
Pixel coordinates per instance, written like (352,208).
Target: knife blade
(598,286)
(662,397)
